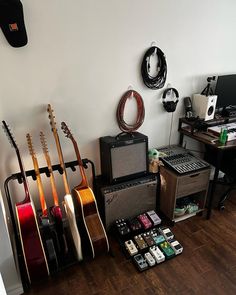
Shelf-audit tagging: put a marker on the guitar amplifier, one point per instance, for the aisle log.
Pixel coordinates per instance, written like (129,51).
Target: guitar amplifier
(126,200)
(124,157)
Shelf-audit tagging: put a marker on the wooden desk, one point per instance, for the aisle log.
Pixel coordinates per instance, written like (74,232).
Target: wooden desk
(188,128)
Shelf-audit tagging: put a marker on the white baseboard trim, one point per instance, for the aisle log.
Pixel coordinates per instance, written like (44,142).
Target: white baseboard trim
(15,290)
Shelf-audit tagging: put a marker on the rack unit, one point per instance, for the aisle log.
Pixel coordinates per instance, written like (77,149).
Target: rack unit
(31,173)
(174,187)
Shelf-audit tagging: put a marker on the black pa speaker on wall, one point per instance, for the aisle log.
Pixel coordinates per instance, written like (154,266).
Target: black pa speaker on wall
(127,200)
(124,157)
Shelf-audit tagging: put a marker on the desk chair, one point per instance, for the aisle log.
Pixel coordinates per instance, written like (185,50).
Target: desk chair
(228,166)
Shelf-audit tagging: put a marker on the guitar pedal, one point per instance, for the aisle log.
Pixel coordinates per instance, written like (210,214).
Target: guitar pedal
(149,258)
(135,225)
(122,227)
(140,242)
(131,248)
(155,219)
(140,262)
(146,223)
(148,238)
(158,238)
(176,246)
(167,249)
(157,254)
(166,232)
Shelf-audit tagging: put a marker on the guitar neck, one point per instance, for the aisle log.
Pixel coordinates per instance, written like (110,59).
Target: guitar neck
(52,179)
(24,179)
(62,164)
(38,177)
(40,186)
(84,182)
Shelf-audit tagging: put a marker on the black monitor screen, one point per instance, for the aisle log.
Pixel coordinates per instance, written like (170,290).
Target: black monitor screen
(226,91)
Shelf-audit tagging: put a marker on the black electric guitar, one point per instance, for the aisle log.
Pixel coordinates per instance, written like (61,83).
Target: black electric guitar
(48,234)
(32,246)
(55,210)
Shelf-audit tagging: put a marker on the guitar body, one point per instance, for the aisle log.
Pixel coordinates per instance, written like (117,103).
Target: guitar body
(32,247)
(57,216)
(89,221)
(70,214)
(50,242)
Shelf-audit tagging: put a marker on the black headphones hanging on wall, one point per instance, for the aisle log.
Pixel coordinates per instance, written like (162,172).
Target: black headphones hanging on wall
(170,106)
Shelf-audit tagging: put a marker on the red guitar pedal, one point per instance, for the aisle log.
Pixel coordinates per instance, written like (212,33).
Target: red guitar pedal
(144,220)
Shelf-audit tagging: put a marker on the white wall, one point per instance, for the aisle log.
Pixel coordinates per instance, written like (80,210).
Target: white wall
(83,54)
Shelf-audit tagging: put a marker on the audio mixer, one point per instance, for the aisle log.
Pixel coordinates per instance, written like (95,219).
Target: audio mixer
(181,160)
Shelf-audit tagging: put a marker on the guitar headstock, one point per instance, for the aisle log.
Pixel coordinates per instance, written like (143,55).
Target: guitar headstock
(30,144)
(51,117)
(43,142)
(66,130)
(9,135)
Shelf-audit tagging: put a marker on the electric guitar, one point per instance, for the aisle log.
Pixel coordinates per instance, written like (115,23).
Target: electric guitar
(55,210)
(87,206)
(31,242)
(48,235)
(69,205)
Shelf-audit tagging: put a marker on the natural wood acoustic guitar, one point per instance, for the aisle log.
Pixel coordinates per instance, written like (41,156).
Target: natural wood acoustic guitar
(69,205)
(88,214)
(31,242)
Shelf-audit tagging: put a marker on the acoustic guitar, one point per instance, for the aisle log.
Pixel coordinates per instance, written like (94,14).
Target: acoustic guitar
(55,210)
(87,206)
(31,242)
(68,202)
(49,236)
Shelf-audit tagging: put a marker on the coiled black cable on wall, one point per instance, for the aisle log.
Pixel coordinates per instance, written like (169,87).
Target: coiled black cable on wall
(140,111)
(158,81)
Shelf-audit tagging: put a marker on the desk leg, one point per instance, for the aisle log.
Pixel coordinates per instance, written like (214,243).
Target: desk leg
(181,139)
(213,187)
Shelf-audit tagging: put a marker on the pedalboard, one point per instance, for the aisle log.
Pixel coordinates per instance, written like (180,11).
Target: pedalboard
(145,241)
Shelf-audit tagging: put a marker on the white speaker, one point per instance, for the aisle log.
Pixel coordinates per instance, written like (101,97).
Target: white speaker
(128,199)
(204,106)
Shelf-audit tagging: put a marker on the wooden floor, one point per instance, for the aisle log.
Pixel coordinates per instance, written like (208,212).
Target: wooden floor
(207,265)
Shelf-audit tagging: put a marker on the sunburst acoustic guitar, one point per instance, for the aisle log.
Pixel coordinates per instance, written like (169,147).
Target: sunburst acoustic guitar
(69,205)
(32,246)
(88,214)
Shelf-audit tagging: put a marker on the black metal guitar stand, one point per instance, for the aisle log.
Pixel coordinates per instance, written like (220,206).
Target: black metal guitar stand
(31,173)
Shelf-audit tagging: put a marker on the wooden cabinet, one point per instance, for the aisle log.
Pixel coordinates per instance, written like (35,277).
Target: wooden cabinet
(175,186)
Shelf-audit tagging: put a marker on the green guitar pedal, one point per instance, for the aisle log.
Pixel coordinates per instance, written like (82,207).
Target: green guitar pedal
(166,249)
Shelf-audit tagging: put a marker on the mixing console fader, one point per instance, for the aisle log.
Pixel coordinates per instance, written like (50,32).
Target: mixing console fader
(181,160)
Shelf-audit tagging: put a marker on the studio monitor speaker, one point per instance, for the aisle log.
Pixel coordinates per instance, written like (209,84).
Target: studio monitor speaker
(204,106)
(124,157)
(128,199)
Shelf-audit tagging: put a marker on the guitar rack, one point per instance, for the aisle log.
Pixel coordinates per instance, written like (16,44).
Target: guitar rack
(31,173)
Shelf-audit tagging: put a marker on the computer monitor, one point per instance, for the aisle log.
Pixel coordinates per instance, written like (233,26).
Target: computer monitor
(226,91)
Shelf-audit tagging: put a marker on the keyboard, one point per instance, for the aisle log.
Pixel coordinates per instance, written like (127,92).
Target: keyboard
(231,130)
